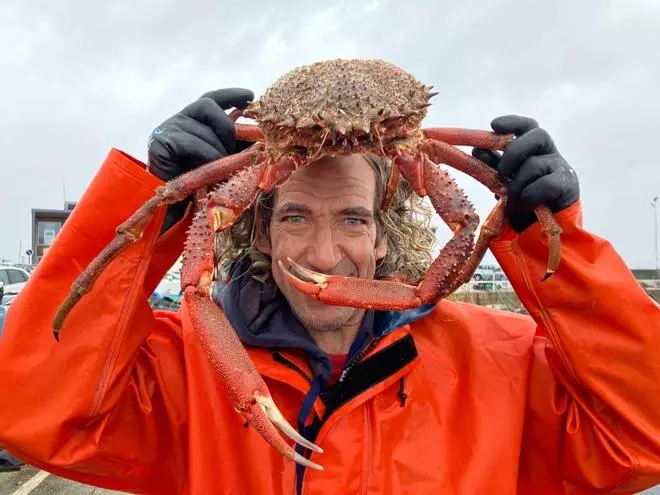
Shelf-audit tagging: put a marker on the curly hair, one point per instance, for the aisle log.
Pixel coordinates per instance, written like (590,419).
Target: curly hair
(407,223)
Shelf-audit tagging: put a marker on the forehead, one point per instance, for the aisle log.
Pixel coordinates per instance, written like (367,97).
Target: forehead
(339,178)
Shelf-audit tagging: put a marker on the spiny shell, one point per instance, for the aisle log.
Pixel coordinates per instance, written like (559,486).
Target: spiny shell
(342,105)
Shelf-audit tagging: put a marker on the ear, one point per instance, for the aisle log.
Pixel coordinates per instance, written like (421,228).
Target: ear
(381,248)
(262,240)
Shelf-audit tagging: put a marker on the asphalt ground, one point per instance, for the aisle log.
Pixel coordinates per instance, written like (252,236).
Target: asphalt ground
(32,481)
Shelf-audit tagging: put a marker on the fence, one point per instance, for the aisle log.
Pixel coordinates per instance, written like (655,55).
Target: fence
(499,293)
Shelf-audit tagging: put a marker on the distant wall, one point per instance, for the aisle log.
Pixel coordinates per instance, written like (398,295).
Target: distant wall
(509,298)
(646,274)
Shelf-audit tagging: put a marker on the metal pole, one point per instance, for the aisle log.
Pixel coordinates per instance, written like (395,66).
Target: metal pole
(655,231)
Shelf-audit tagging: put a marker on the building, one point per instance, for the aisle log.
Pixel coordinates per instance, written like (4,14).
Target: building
(46,224)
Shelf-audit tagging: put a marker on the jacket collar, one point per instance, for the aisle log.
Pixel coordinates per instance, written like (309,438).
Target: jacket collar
(262,318)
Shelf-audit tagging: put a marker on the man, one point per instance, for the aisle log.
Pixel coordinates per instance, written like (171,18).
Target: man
(451,398)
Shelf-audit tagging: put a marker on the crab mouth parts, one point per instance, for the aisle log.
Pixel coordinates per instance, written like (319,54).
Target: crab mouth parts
(347,144)
(332,139)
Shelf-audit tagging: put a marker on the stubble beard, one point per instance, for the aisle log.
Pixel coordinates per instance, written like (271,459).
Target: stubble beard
(341,317)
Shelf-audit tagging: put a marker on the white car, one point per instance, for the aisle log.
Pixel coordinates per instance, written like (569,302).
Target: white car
(13,279)
(170,285)
(483,274)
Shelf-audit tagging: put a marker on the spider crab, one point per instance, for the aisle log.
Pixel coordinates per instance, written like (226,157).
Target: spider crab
(332,107)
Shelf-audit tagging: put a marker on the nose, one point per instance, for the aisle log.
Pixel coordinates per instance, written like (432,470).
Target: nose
(323,253)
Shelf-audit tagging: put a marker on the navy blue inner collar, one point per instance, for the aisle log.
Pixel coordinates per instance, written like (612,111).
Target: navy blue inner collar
(262,317)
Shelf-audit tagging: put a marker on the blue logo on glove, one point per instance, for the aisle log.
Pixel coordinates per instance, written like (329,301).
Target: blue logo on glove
(157,132)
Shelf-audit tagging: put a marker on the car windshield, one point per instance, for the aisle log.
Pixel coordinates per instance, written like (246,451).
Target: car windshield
(27,268)
(16,276)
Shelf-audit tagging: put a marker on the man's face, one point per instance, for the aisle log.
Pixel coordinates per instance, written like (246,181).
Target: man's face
(323,218)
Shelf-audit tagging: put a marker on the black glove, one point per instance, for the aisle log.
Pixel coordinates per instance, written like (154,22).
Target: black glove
(539,174)
(200,133)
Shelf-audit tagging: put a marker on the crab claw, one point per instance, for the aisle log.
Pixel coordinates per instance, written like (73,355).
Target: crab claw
(245,388)
(353,292)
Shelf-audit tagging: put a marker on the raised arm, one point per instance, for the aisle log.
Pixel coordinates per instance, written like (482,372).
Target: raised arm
(88,407)
(593,409)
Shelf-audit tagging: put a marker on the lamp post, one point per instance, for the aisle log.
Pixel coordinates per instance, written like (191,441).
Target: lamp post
(654,203)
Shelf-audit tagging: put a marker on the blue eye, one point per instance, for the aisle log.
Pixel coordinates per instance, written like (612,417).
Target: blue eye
(295,219)
(354,221)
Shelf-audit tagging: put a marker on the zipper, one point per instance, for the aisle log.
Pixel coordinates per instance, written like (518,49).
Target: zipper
(357,359)
(366,451)
(366,454)
(280,358)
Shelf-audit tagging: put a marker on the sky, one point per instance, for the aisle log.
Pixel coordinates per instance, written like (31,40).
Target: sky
(78,78)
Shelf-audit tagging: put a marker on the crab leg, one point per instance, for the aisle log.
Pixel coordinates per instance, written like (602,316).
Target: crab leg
(131,230)
(392,184)
(453,265)
(248,133)
(552,231)
(468,137)
(455,136)
(490,229)
(244,386)
(441,152)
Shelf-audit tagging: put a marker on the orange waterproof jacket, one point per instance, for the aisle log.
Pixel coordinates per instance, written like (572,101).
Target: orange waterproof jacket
(565,401)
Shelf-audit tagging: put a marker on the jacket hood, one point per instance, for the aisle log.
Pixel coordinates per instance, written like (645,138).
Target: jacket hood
(262,317)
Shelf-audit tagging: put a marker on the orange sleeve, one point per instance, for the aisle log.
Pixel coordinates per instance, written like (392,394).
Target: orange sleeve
(107,404)
(593,408)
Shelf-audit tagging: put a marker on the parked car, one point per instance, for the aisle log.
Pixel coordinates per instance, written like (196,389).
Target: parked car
(13,279)
(170,285)
(27,268)
(3,309)
(482,273)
